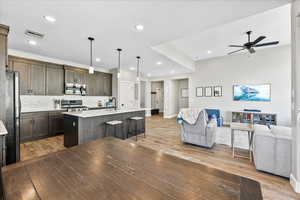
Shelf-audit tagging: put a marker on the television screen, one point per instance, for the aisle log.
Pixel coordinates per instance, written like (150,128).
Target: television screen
(252,92)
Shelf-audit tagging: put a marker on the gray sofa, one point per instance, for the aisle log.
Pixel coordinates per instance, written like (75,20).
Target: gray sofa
(202,132)
(273,149)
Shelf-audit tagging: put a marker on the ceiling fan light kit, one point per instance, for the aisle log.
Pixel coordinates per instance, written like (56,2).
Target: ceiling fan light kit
(250,46)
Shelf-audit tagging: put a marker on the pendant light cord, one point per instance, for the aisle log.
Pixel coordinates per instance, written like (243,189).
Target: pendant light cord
(138,67)
(119,60)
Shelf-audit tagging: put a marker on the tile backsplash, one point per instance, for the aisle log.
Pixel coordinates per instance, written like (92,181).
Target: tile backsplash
(32,102)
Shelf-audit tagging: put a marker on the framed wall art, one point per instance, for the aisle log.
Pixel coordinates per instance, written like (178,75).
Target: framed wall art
(199,92)
(208,91)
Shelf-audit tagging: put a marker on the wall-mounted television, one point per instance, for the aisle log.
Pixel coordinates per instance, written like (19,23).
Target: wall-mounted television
(259,92)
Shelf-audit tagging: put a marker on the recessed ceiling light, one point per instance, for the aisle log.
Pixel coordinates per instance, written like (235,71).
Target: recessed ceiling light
(50,18)
(209,52)
(159,63)
(149,75)
(132,68)
(98,59)
(32,42)
(139,27)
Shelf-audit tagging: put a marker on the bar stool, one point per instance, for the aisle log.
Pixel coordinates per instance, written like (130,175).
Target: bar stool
(114,124)
(134,121)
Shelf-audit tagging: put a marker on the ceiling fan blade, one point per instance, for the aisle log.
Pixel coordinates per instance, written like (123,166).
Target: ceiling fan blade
(236,51)
(267,44)
(235,46)
(259,39)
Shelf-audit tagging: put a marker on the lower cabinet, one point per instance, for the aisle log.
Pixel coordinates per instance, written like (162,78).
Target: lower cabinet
(56,124)
(34,126)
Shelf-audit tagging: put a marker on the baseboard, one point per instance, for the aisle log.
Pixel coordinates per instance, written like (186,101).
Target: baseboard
(170,116)
(295,184)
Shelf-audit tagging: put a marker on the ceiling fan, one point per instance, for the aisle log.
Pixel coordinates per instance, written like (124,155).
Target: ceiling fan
(251,45)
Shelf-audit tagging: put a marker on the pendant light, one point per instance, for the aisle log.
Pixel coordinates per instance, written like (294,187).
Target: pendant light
(119,62)
(91,68)
(138,68)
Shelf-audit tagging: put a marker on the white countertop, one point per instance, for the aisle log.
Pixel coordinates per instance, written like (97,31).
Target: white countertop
(3,130)
(96,113)
(30,110)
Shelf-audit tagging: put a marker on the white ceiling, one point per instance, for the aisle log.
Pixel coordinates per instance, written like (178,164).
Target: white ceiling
(275,24)
(112,24)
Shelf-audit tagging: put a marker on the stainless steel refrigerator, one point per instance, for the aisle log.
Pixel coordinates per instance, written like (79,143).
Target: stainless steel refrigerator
(12,122)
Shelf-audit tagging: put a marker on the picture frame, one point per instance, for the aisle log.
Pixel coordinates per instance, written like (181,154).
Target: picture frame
(208,91)
(199,92)
(218,91)
(184,93)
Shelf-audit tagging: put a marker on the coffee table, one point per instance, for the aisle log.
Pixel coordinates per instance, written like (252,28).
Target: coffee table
(244,127)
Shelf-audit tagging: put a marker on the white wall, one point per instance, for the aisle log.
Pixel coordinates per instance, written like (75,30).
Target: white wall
(295,175)
(183,101)
(272,65)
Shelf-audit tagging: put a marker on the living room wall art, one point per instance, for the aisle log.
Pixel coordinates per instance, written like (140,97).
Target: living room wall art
(208,91)
(261,92)
(218,91)
(199,92)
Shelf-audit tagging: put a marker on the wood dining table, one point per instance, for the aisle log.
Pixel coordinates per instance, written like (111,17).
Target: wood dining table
(112,169)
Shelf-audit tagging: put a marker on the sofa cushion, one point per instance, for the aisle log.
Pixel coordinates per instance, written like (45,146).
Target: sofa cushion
(262,130)
(282,132)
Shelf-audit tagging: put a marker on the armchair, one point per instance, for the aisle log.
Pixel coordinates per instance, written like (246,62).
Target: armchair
(202,132)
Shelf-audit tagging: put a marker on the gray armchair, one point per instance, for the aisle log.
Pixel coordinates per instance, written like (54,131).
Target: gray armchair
(202,132)
(273,149)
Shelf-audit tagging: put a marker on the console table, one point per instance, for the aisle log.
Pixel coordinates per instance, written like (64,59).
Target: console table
(234,126)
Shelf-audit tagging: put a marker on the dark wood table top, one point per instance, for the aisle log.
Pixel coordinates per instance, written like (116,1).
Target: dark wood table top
(114,169)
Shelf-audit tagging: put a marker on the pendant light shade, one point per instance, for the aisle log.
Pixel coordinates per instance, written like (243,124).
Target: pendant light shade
(119,63)
(138,68)
(91,68)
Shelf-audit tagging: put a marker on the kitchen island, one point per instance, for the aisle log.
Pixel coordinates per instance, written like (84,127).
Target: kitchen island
(86,126)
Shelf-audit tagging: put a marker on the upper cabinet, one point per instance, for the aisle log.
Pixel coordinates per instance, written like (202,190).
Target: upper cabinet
(32,76)
(75,75)
(107,84)
(54,80)
(41,78)
(99,84)
(23,69)
(37,78)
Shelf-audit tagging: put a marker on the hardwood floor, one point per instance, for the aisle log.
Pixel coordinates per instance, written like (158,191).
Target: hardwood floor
(41,147)
(112,169)
(164,135)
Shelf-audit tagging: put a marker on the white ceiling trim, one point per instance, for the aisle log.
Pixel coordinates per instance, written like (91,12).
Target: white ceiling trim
(175,55)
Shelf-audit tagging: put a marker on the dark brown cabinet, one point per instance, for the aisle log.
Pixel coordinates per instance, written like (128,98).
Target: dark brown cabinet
(54,80)
(37,79)
(26,126)
(107,85)
(41,78)
(32,76)
(56,124)
(23,69)
(73,75)
(99,84)
(33,126)
(40,125)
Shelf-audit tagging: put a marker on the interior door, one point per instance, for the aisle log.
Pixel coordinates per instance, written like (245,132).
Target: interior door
(127,95)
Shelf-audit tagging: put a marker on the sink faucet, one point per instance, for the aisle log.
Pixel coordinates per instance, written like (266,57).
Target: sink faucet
(115,100)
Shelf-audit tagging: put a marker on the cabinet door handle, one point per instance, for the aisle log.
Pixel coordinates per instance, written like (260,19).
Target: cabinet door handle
(74,124)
